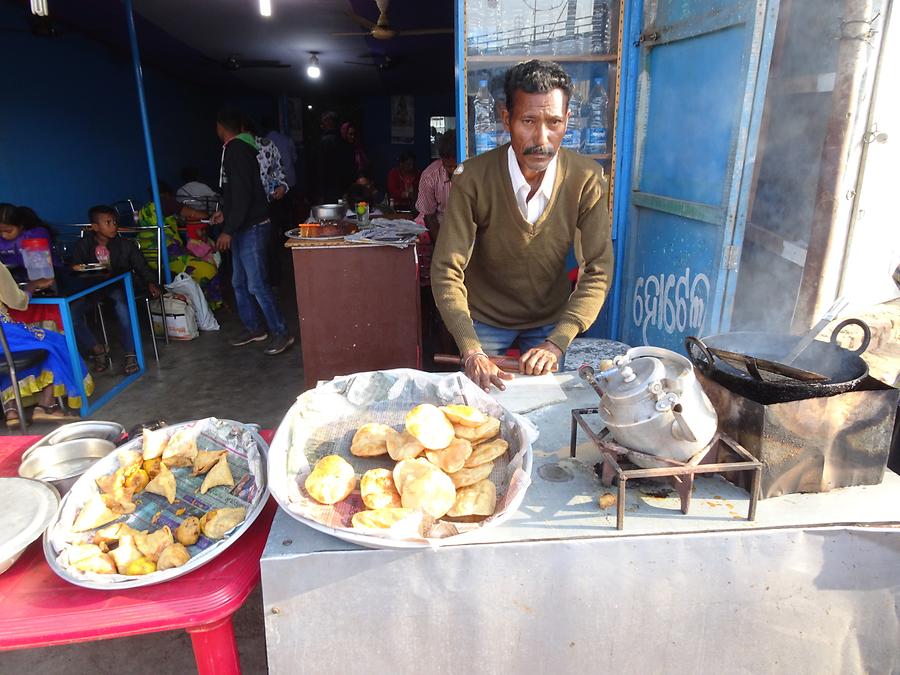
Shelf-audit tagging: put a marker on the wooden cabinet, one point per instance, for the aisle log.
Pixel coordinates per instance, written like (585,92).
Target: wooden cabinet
(359,309)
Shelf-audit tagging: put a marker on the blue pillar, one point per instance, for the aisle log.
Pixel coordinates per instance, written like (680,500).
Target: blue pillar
(166,275)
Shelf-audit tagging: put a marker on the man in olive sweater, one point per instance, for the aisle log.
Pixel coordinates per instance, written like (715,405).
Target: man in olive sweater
(499,266)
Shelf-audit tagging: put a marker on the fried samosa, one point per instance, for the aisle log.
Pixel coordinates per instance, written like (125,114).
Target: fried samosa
(164,484)
(216,523)
(154,443)
(206,460)
(174,555)
(220,474)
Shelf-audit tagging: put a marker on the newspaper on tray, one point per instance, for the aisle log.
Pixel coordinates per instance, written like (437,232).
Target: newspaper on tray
(398,233)
(245,460)
(323,421)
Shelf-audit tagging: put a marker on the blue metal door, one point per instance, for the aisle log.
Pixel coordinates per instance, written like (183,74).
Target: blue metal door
(701,81)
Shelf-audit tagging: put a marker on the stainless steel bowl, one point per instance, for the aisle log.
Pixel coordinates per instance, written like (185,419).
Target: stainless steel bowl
(329,212)
(62,463)
(110,431)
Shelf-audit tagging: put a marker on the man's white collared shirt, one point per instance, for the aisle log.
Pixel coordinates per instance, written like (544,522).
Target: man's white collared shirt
(532,208)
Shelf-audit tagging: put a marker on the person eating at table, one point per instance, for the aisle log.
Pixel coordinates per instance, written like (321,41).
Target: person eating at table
(499,268)
(18,223)
(103,245)
(53,378)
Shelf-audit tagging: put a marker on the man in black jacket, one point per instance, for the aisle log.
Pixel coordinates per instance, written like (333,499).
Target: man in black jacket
(246,231)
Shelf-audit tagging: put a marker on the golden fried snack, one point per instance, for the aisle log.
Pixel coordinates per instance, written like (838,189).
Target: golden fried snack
(453,457)
(216,523)
(138,567)
(181,450)
(174,555)
(90,558)
(136,479)
(188,532)
(151,545)
(164,484)
(125,553)
(331,480)
(206,460)
(469,476)
(410,469)
(487,452)
(479,499)
(378,490)
(370,440)
(154,443)
(151,466)
(94,513)
(109,483)
(429,426)
(385,518)
(432,492)
(114,532)
(220,474)
(403,445)
(129,458)
(465,415)
(480,433)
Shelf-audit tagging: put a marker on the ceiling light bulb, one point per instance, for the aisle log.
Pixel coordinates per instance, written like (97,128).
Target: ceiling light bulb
(265,7)
(309,107)
(313,70)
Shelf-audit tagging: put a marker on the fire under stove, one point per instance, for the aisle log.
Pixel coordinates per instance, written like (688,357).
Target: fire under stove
(681,474)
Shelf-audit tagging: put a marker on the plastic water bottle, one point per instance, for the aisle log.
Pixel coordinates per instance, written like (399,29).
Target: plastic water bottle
(36,256)
(596,142)
(601,29)
(485,119)
(574,138)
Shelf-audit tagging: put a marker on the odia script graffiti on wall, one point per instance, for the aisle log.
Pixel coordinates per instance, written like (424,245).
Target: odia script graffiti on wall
(669,303)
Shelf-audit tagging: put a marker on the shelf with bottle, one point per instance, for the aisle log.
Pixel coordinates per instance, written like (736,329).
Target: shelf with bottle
(498,59)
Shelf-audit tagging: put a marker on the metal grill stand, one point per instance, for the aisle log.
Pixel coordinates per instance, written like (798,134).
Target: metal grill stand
(681,473)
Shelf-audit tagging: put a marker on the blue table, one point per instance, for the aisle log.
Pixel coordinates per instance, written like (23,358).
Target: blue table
(68,289)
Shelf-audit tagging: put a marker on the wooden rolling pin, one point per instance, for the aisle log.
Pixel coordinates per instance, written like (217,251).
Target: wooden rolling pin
(505,363)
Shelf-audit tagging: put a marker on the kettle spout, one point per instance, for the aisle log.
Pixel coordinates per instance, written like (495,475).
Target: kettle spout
(681,430)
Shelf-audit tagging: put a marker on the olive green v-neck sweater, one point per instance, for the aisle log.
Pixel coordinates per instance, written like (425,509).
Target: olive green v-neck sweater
(492,265)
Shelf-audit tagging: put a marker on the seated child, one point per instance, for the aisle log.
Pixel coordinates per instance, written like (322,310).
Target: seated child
(103,245)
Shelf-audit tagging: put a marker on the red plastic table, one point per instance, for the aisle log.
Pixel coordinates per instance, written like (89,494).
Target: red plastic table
(40,609)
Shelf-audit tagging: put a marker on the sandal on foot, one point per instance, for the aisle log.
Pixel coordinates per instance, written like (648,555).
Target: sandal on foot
(131,364)
(100,362)
(12,421)
(50,413)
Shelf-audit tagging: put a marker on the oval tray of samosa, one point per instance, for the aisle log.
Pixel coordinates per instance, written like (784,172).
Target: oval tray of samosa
(160,506)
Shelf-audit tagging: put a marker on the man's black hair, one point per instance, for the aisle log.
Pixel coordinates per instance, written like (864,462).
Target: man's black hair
(95,212)
(447,145)
(230,119)
(536,77)
(406,156)
(190,174)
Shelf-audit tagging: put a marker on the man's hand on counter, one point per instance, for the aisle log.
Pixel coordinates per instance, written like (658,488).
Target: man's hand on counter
(479,368)
(541,359)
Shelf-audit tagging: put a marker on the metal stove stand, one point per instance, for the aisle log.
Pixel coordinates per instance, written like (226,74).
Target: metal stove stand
(681,473)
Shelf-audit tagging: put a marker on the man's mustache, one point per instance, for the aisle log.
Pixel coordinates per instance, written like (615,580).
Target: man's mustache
(538,150)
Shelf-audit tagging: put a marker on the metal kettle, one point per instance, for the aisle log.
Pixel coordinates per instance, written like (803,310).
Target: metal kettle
(651,401)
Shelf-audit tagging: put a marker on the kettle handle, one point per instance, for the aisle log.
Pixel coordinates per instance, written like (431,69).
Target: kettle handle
(705,364)
(867,334)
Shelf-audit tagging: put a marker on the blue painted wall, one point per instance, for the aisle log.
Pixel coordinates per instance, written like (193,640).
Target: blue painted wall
(377,132)
(70,133)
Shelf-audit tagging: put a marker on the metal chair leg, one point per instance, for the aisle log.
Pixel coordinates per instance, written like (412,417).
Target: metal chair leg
(153,332)
(14,380)
(103,330)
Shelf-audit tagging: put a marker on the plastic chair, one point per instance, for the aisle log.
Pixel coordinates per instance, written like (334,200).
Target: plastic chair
(14,362)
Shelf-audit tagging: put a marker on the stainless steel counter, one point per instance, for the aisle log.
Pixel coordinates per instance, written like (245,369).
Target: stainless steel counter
(810,586)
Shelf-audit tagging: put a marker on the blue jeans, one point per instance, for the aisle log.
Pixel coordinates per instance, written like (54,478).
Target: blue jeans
(495,341)
(83,335)
(250,281)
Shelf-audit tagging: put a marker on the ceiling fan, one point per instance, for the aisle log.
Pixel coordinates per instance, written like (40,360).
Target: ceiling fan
(381,29)
(381,62)
(235,62)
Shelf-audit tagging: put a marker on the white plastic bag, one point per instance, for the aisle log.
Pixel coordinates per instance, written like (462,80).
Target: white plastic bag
(184,285)
(181,322)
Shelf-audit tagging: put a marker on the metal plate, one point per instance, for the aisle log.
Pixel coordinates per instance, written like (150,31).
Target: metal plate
(198,560)
(28,507)
(295,234)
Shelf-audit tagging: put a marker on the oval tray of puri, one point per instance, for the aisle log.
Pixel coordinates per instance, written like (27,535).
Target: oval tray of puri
(196,561)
